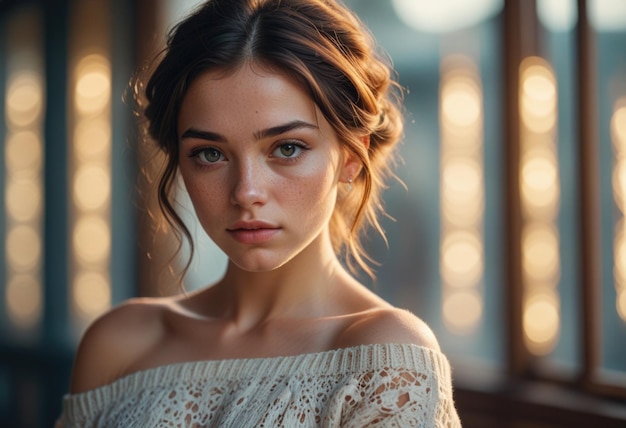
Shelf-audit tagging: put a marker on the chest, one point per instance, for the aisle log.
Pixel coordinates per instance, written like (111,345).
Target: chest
(206,341)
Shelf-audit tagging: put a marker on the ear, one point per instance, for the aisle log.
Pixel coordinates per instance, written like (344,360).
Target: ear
(352,164)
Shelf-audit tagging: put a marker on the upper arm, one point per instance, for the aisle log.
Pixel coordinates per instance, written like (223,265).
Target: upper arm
(389,326)
(111,344)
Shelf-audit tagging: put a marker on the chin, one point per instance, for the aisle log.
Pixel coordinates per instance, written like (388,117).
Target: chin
(259,263)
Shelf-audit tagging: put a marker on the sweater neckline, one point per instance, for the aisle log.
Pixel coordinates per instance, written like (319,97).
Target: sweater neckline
(352,359)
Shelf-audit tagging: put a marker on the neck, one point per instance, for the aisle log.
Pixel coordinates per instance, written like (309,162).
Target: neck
(302,287)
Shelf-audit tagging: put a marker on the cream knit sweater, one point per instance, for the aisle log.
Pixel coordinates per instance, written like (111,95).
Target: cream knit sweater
(365,386)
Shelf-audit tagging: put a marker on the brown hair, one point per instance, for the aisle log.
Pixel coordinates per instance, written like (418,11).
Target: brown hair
(327,49)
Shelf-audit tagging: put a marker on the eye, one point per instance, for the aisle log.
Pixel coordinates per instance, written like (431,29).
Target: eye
(208,155)
(288,150)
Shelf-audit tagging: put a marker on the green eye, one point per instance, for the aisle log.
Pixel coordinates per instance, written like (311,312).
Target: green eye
(288,150)
(210,155)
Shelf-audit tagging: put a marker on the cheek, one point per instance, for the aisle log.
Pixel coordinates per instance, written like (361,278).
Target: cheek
(314,191)
(205,198)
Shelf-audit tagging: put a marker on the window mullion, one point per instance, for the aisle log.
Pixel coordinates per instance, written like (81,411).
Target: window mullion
(589,200)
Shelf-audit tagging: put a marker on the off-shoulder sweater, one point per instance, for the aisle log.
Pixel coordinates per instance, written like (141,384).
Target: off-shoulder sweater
(389,385)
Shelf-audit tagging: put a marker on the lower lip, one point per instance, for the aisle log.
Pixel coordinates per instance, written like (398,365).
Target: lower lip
(253,236)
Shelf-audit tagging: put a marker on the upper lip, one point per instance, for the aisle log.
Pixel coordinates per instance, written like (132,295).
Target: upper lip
(252,225)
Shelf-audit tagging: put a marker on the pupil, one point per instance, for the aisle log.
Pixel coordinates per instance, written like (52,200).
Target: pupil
(287,149)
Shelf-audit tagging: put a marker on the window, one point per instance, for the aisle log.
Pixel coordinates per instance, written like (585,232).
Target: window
(67,191)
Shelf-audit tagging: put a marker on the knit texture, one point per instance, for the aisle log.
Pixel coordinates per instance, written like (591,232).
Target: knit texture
(365,386)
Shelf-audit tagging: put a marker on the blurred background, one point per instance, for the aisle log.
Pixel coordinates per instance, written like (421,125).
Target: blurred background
(510,240)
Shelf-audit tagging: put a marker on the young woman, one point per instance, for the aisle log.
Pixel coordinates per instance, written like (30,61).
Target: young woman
(281,119)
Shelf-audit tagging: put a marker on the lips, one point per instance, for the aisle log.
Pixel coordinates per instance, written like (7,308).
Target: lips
(253,232)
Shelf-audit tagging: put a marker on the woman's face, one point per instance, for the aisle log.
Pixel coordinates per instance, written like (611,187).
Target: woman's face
(261,164)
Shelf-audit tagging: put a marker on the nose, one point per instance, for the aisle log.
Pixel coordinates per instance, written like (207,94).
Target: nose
(249,185)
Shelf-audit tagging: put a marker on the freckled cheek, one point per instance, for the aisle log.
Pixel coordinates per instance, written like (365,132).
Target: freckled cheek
(309,190)
(208,200)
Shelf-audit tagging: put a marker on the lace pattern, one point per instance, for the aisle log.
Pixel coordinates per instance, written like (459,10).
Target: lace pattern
(365,386)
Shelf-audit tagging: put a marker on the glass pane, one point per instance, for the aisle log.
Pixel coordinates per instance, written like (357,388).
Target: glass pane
(90,175)
(23,102)
(558,46)
(444,260)
(609,22)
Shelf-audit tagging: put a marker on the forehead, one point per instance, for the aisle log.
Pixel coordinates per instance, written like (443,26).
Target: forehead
(252,94)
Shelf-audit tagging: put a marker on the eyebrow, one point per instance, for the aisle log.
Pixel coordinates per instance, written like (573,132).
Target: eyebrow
(258,135)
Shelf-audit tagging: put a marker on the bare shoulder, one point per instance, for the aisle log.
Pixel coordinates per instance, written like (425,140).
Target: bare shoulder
(387,325)
(114,341)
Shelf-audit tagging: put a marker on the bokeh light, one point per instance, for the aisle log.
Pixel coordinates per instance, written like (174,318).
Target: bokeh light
(540,201)
(618,135)
(24,300)
(541,322)
(462,310)
(93,84)
(24,99)
(91,178)
(461,194)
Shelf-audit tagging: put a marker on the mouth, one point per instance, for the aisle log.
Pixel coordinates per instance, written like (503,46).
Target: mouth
(251,225)
(253,232)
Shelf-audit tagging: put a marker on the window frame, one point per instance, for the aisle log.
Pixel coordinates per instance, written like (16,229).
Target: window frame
(528,392)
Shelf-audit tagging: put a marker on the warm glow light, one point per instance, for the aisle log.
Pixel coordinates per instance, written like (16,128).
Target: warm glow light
(618,134)
(24,300)
(92,140)
(445,15)
(539,86)
(461,259)
(90,172)
(539,174)
(535,120)
(460,103)
(540,183)
(93,84)
(460,108)
(92,293)
(23,154)
(540,197)
(619,182)
(23,200)
(607,15)
(461,194)
(92,239)
(462,311)
(23,248)
(619,256)
(618,129)
(538,97)
(557,15)
(462,179)
(540,252)
(91,187)
(459,215)
(24,99)
(541,322)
